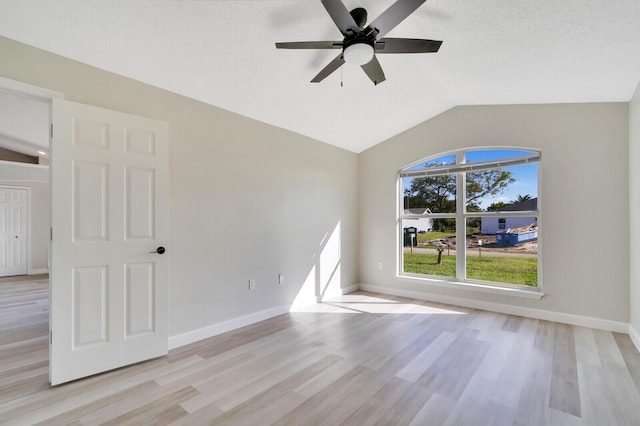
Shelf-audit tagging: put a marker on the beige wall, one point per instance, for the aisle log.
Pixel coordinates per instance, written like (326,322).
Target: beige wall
(583,196)
(248,200)
(634,208)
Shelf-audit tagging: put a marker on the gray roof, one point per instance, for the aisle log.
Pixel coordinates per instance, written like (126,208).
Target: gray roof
(417,210)
(522,206)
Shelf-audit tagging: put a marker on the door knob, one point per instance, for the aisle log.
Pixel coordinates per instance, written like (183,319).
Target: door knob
(159,250)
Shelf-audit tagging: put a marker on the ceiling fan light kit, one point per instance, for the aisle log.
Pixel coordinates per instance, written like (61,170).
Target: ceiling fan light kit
(362,43)
(358,53)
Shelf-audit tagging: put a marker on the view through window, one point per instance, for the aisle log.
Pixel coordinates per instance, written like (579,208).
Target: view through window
(488,200)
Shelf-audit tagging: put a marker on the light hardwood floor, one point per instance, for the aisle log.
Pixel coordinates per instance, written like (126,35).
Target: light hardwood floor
(362,359)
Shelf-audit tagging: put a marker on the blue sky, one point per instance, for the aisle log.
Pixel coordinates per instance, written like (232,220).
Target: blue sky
(526,175)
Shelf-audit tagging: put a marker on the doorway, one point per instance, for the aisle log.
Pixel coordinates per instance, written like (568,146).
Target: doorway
(25,201)
(25,222)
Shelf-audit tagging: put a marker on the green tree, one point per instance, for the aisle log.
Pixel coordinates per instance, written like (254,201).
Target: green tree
(487,183)
(413,202)
(521,198)
(497,206)
(438,192)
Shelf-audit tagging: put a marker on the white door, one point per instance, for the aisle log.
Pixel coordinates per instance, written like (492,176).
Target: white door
(13,231)
(109,186)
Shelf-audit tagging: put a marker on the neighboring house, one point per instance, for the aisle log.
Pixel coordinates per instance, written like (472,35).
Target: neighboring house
(493,225)
(422,224)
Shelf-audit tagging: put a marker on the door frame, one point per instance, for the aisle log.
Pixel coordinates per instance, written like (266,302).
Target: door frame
(29,90)
(28,268)
(25,89)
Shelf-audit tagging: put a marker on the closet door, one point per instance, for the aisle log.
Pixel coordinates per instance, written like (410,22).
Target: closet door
(13,231)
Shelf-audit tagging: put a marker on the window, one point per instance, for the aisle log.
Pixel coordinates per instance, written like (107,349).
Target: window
(486,198)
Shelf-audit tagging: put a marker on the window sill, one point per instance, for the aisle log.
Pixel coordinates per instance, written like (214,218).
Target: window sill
(527,292)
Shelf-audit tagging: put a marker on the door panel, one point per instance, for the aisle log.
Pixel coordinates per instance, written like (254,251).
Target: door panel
(90,306)
(140,189)
(90,201)
(108,291)
(139,299)
(140,142)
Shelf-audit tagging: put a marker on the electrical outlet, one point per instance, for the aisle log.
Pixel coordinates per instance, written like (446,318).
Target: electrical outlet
(280,278)
(252,284)
(379,266)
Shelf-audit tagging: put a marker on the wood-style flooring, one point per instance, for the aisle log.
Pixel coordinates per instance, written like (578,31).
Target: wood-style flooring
(362,359)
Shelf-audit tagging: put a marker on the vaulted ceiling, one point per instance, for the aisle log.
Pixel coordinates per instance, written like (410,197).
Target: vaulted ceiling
(223,53)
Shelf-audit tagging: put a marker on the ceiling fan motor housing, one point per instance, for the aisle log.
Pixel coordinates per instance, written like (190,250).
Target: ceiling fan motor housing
(359,15)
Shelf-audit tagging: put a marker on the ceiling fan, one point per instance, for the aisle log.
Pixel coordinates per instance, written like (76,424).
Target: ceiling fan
(363,42)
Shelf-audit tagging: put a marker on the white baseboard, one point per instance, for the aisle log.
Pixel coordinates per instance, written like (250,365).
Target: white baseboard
(635,336)
(350,289)
(572,319)
(38,271)
(579,320)
(219,328)
(337,293)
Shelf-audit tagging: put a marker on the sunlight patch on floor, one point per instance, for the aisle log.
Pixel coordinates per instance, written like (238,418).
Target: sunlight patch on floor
(357,303)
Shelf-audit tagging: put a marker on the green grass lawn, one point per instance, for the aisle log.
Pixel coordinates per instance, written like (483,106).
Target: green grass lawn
(418,263)
(435,235)
(509,270)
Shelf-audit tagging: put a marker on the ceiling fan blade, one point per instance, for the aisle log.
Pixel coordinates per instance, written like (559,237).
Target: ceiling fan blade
(374,71)
(310,45)
(407,45)
(395,14)
(340,15)
(331,67)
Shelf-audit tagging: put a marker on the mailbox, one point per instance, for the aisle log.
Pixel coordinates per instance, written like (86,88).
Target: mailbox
(407,236)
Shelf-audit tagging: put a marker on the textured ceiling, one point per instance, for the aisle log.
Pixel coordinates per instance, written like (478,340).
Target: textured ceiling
(222,53)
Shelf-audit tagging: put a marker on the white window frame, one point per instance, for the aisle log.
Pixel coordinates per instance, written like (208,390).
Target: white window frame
(461,215)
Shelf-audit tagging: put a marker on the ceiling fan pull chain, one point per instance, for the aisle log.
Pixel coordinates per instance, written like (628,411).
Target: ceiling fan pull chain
(341,75)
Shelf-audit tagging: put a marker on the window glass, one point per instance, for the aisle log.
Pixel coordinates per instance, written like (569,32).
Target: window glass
(508,257)
(436,193)
(482,155)
(435,162)
(500,218)
(430,253)
(513,188)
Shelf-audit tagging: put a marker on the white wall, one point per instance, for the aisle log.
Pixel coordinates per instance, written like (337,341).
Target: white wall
(248,200)
(24,123)
(36,178)
(584,181)
(634,212)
